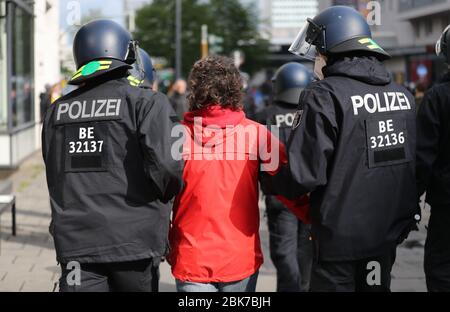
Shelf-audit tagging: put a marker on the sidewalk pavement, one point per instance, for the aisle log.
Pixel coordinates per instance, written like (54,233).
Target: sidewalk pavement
(27,261)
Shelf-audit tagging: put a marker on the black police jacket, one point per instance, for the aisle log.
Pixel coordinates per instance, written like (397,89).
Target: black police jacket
(353,149)
(280,115)
(433,144)
(279,118)
(107,150)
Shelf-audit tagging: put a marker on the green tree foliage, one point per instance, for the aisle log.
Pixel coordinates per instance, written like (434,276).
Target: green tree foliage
(225,18)
(239,28)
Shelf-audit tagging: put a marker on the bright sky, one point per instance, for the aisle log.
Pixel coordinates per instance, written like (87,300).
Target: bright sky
(110,9)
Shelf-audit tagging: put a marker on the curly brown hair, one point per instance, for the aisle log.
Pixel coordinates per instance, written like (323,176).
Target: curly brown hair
(215,80)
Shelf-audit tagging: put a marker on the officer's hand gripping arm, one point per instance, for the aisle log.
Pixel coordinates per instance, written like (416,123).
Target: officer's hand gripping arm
(156,120)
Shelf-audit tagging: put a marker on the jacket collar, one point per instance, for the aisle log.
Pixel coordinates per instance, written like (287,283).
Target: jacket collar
(366,69)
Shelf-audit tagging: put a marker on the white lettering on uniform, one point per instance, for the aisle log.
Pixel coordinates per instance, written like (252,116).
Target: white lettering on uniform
(394,106)
(279,119)
(86,133)
(81,110)
(82,134)
(381,109)
(78,114)
(110,106)
(358,102)
(287,119)
(118,107)
(393,101)
(382,126)
(371,109)
(84,114)
(63,108)
(390,125)
(386,126)
(99,109)
(402,99)
(290,119)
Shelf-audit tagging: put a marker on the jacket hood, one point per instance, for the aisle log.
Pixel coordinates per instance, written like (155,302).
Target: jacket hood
(212,124)
(366,69)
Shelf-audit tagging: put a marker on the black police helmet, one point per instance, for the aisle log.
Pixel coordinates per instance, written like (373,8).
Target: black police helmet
(289,82)
(443,45)
(143,71)
(340,30)
(102,39)
(147,66)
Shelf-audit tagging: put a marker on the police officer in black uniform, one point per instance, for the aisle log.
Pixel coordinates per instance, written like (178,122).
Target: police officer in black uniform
(353,149)
(433,173)
(107,150)
(290,245)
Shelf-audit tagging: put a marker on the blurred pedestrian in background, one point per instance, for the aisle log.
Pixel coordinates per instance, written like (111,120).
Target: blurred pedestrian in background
(419,94)
(45,100)
(177,97)
(247,101)
(215,244)
(56,92)
(433,173)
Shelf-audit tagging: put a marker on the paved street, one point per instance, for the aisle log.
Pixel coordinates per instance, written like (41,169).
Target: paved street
(27,262)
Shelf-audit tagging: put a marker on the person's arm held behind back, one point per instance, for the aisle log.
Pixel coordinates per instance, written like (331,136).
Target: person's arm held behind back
(270,178)
(310,148)
(428,129)
(155,122)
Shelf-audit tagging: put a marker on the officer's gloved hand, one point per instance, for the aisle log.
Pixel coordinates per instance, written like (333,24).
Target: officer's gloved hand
(413,226)
(417,217)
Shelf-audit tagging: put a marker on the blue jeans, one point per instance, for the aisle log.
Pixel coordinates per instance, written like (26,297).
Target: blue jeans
(246,285)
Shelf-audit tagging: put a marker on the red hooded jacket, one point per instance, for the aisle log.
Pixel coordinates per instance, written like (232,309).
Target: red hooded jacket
(215,230)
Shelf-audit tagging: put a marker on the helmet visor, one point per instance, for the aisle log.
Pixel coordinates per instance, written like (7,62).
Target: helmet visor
(303,47)
(439,47)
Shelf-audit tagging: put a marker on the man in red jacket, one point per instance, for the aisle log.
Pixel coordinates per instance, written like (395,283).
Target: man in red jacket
(215,232)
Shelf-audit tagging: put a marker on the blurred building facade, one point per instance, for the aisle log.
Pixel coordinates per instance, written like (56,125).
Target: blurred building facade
(66,54)
(409,30)
(281,21)
(129,9)
(29,59)
(286,17)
